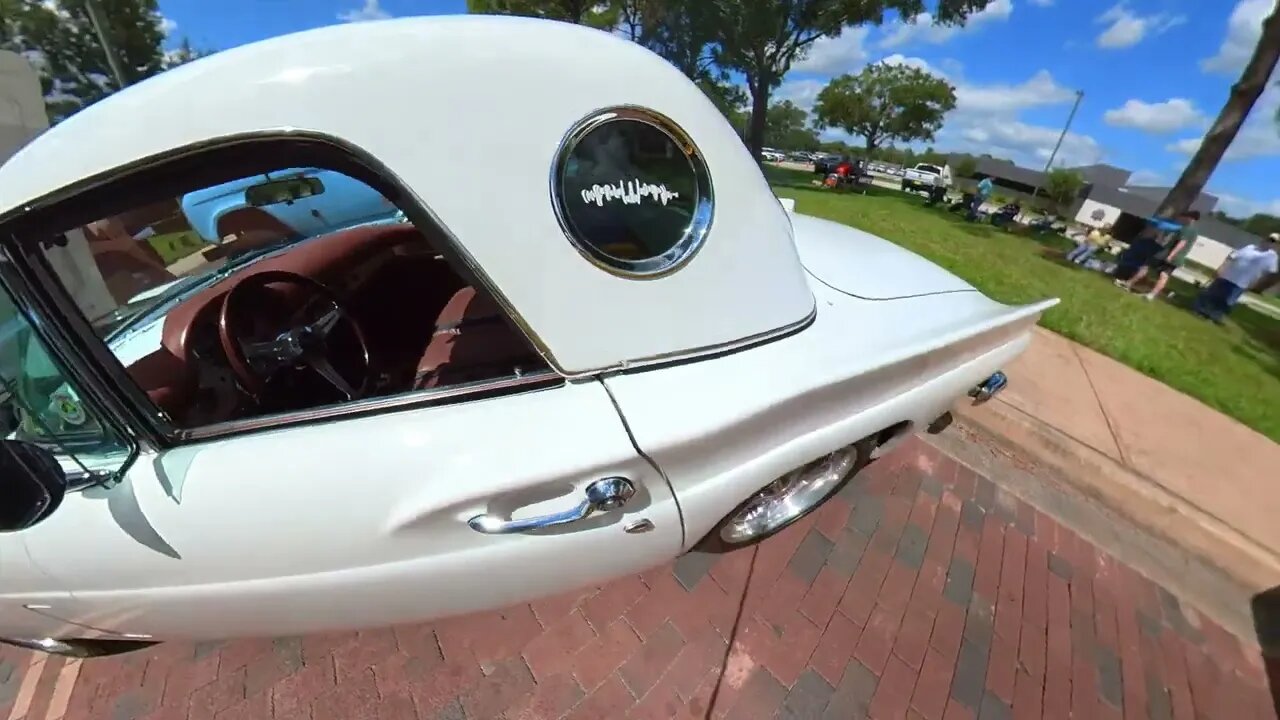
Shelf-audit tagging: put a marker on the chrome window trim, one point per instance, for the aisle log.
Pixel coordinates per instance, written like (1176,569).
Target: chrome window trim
(151,425)
(695,235)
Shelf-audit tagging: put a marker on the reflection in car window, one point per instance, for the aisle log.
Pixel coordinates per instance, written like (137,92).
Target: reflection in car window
(39,404)
(151,254)
(630,195)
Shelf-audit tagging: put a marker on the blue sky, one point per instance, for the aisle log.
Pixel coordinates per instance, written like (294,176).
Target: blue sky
(1153,73)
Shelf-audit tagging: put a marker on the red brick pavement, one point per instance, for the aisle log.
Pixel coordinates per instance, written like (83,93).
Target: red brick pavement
(922,591)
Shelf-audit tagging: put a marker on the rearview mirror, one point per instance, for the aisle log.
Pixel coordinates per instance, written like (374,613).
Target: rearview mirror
(283,191)
(32,484)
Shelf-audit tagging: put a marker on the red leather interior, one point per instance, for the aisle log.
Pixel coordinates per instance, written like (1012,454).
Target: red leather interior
(393,283)
(472,341)
(169,377)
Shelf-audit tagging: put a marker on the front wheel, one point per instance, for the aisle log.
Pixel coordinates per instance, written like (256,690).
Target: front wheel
(788,499)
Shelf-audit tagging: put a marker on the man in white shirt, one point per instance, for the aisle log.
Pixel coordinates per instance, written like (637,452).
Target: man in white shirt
(1241,271)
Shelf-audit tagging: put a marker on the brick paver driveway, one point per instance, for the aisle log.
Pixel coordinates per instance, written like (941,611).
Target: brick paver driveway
(924,591)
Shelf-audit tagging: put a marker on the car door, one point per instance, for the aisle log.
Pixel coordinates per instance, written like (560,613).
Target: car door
(360,522)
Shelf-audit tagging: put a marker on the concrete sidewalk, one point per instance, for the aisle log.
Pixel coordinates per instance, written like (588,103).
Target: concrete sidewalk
(1157,458)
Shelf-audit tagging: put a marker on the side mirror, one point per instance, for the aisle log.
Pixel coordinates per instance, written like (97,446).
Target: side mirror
(32,484)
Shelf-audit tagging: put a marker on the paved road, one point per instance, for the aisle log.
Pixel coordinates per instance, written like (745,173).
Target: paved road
(923,592)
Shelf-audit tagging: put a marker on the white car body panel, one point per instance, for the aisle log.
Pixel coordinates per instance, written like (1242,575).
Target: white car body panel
(863,366)
(864,265)
(782,339)
(331,80)
(279,533)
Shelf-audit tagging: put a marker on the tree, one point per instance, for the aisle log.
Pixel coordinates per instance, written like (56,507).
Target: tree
(681,31)
(884,103)
(762,39)
(595,13)
(60,40)
(787,126)
(1062,185)
(967,166)
(183,54)
(1244,95)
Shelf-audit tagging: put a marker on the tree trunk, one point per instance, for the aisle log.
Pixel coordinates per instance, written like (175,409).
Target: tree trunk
(1244,94)
(759,116)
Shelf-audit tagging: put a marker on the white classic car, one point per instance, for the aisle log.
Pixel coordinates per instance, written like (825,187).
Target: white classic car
(619,348)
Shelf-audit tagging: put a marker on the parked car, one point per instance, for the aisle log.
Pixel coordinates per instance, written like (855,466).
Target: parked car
(920,178)
(825,163)
(772,155)
(591,347)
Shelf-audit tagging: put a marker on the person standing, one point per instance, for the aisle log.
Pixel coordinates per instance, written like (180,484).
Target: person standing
(1095,240)
(985,188)
(1170,258)
(1241,271)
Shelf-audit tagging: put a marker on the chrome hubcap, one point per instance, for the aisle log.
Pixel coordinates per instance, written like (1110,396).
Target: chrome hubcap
(789,497)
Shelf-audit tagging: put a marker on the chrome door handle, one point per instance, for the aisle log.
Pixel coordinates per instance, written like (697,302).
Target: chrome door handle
(603,495)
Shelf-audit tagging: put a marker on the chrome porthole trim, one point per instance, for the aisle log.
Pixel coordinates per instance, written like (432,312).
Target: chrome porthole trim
(702,213)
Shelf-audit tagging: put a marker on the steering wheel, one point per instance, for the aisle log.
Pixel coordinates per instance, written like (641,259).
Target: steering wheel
(302,343)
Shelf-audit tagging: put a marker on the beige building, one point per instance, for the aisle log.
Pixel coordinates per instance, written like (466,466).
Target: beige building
(23,117)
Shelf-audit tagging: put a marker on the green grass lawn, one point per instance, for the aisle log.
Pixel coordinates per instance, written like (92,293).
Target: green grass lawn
(1234,368)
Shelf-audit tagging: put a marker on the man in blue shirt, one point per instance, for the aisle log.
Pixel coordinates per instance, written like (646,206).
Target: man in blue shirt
(984,192)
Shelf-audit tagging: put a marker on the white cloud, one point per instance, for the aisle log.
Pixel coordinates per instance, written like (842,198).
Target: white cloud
(1028,145)
(803,93)
(1242,207)
(1040,89)
(915,62)
(371,10)
(986,120)
(836,55)
(1148,177)
(1126,28)
(1161,117)
(922,29)
(1243,29)
(1259,137)
(167,26)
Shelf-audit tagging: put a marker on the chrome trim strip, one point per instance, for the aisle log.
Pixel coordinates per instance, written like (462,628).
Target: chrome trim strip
(423,398)
(695,235)
(712,351)
(74,648)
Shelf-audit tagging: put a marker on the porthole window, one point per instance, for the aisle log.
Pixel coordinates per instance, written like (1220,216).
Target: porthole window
(632,192)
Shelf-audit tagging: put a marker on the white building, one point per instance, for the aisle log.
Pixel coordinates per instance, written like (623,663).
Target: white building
(1108,198)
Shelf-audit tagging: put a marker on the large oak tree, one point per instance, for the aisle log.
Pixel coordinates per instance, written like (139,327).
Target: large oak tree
(763,38)
(886,103)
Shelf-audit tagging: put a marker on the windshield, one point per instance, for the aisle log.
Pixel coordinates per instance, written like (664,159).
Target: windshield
(929,169)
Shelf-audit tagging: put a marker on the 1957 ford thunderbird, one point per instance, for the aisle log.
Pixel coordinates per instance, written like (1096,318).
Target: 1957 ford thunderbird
(620,347)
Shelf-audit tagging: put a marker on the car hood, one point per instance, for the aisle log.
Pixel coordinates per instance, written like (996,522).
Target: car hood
(863,265)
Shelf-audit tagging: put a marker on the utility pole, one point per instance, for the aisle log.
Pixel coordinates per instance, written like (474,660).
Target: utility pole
(1072,116)
(99,20)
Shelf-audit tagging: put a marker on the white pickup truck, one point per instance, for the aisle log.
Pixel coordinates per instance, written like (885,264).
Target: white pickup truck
(920,178)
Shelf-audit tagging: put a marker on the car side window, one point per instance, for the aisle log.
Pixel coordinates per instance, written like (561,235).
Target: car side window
(278,292)
(40,404)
